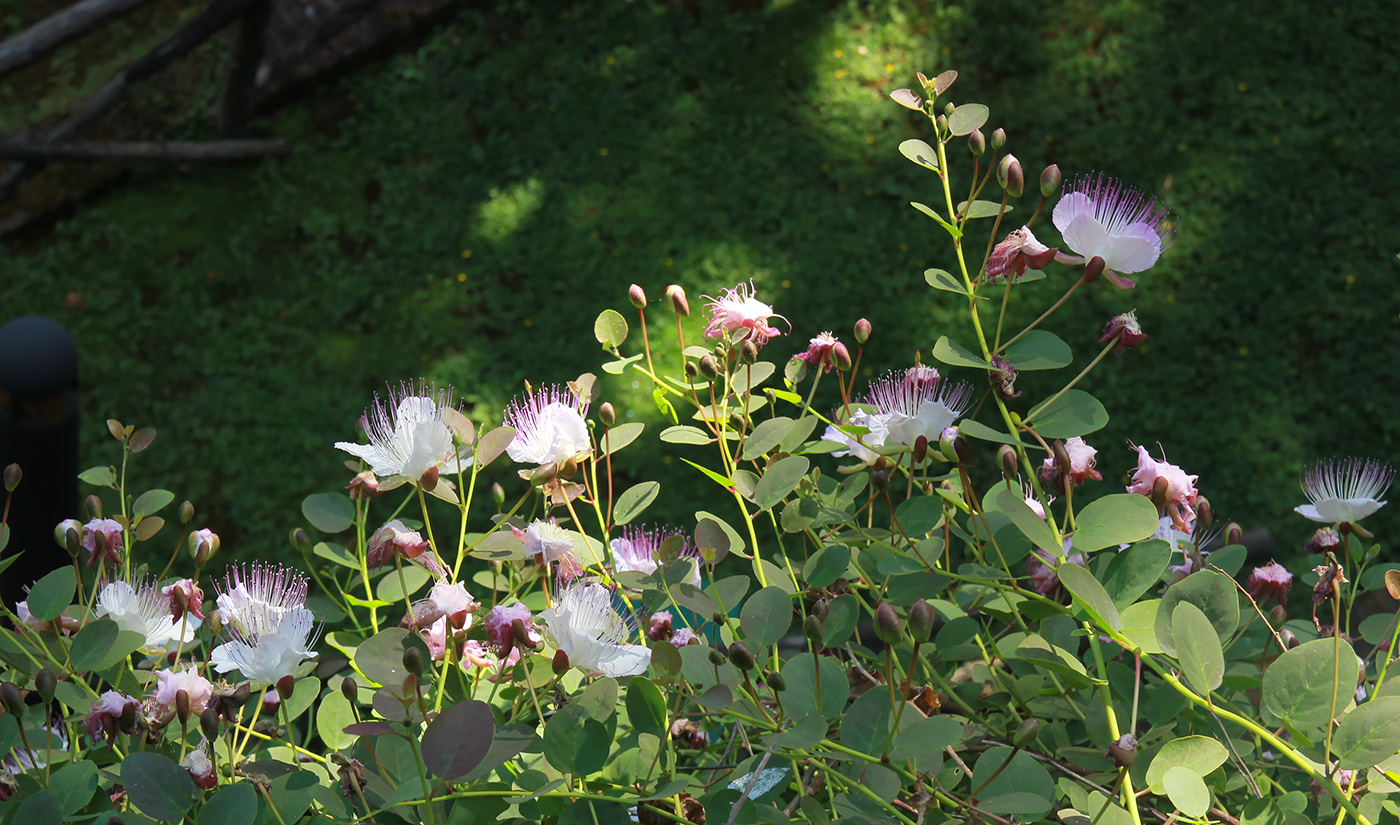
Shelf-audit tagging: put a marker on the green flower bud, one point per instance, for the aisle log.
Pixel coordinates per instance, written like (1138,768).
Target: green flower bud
(13,474)
(300,539)
(716,658)
(775,680)
(607,414)
(887,625)
(942,124)
(977,143)
(740,656)
(812,629)
(880,481)
(1010,176)
(209,724)
(675,298)
(637,296)
(1006,460)
(862,331)
(93,504)
(413,661)
(186,512)
(498,493)
(1026,734)
(998,138)
(1234,534)
(709,367)
(349,689)
(949,109)
(1203,514)
(45,683)
(719,617)
(11,698)
(920,621)
(1050,180)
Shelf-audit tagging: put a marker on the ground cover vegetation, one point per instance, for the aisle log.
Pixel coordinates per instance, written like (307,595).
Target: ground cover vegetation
(464,210)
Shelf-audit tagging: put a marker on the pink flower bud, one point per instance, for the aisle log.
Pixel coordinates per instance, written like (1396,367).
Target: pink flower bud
(676,300)
(1126,329)
(862,331)
(637,296)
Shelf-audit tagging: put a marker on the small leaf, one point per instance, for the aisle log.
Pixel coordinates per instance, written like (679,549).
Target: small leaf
(575,743)
(156,785)
(945,280)
(1187,791)
(99,476)
(951,352)
(1090,595)
(491,445)
(329,512)
(907,99)
(634,501)
(458,739)
(39,808)
(332,717)
(766,616)
(1039,350)
(981,209)
(101,644)
(781,478)
(151,502)
(1073,414)
(767,435)
(826,565)
(1198,648)
(944,81)
(1198,754)
(149,527)
(685,434)
(1010,502)
(52,594)
(920,153)
(646,707)
(980,431)
(610,329)
(618,437)
(232,805)
(1213,593)
(967,117)
(142,438)
(1136,570)
(116,429)
(1113,520)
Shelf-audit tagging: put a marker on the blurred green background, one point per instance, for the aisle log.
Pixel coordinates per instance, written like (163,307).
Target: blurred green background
(463,211)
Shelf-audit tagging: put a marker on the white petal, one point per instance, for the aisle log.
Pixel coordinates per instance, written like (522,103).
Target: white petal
(626,660)
(1134,251)
(1071,206)
(377,460)
(222,657)
(1310,513)
(1087,237)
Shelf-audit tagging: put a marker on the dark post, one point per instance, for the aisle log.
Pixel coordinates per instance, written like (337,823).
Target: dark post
(39,432)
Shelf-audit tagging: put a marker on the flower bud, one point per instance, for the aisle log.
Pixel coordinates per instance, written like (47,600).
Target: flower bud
(812,629)
(748,352)
(977,143)
(841,356)
(920,621)
(561,663)
(862,331)
(708,366)
(920,449)
(949,109)
(186,512)
(1050,180)
(1026,733)
(1234,534)
(1010,176)
(409,686)
(10,697)
(719,617)
(880,481)
(209,724)
(887,625)
(12,476)
(429,480)
(413,661)
(1278,615)
(1093,270)
(716,658)
(93,504)
(1160,488)
(998,138)
(692,369)
(1124,751)
(300,539)
(126,723)
(775,680)
(1006,460)
(288,683)
(498,493)
(607,414)
(676,300)
(182,706)
(1203,514)
(736,422)
(349,689)
(637,296)
(741,657)
(45,683)
(942,124)
(1289,640)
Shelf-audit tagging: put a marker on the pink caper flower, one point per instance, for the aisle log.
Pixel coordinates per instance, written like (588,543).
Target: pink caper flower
(739,313)
(184,595)
(1016,251)
(1081,464)
(1181,488)
(111,544)
(821,352)
(171,682)
(1269,582)
(394,539)
(1099,217)
(108,713)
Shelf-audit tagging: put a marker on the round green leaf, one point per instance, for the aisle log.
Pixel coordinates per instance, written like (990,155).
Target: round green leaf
(458,739)
(919,152)
(233,804)
(39,808)
(156,785)
(332,718)
(1090,595)
(574,742)
(381,656)
(1213,593)
(328,512)
(1199,754)
(1074,413)
(151,501)
(866,726)
(599,699)
(74,785)
(391,587)
(646,708)
(1113,520)
(101,644)
(781,478)
(826,565)
(610,328)
(52,594)
(1187,791)
(1368,735)
(618,437)
(1039,350)
(1021,778)
(800,698)
(766,616)
(1198,648)
(634,501)
(951,352)
(967,117)
(1135,571)
(1299,689)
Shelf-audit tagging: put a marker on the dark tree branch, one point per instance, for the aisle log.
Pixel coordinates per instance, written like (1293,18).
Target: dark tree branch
(51,32)
(237,97)
(177,151)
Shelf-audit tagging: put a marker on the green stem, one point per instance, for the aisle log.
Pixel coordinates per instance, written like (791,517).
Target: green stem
(1066,388)
(1129,798)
